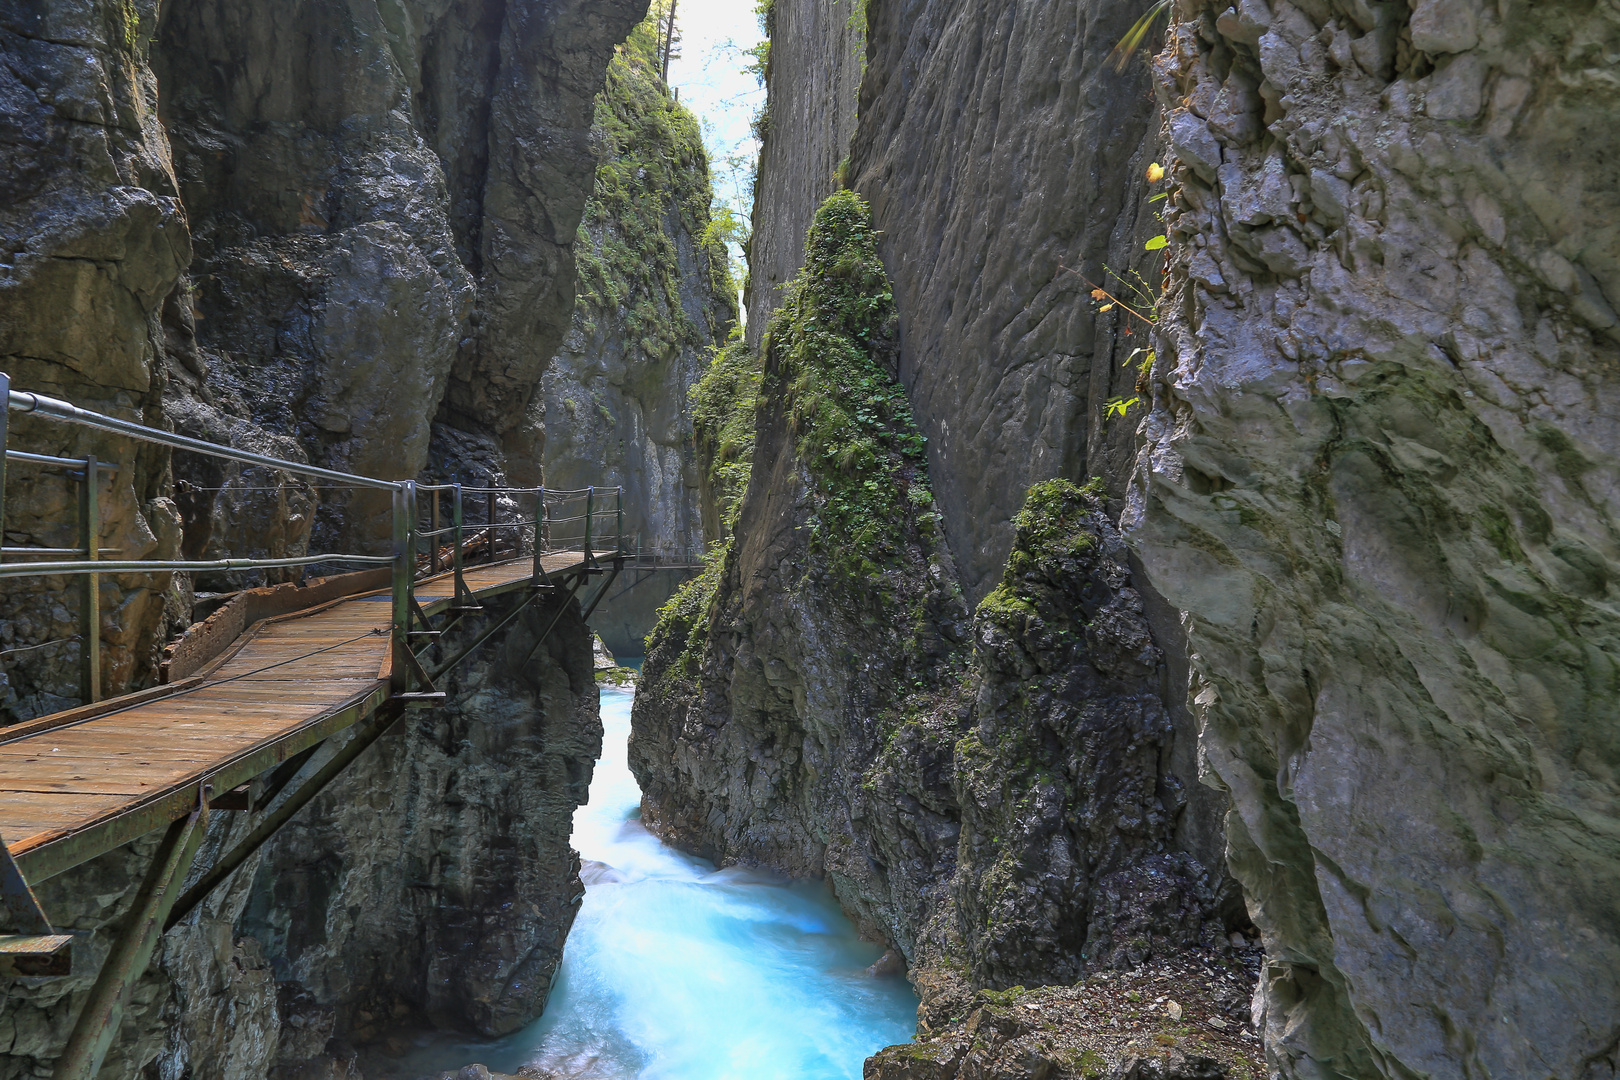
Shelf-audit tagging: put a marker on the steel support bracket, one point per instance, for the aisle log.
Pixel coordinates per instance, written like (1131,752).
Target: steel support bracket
(22,911)
(99,1019)
(36,955)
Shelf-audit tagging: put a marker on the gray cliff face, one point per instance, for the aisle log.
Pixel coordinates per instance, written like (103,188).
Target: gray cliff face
(655,299)
(432,883)
(382,202)
(1379,477)
(755,749)
(435,880)
(991,794)
(1004,159)
(812,81)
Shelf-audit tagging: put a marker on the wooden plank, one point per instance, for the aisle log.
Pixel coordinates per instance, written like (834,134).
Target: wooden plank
(287,683)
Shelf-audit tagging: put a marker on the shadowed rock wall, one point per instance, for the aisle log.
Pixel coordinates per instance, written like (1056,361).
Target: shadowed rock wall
(1380,477)
(93,239)
(432,883)
(381,199)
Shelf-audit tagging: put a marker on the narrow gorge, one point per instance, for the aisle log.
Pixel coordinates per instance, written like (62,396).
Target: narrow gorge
(1125,564)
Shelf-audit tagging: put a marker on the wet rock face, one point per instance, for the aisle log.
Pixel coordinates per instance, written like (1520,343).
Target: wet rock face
(1379,478)
(382,205)
(754,750)
(655,299)
(1068,807)
(1003,156)
(812,84)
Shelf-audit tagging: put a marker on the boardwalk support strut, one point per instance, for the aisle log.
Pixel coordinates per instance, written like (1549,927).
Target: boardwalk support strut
(103,1011)
(37,949)
(365,734)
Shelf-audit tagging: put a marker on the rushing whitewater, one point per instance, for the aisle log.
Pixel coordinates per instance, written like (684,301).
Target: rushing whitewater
(677,971)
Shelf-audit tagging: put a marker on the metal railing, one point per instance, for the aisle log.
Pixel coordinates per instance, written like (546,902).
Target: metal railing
(591,518)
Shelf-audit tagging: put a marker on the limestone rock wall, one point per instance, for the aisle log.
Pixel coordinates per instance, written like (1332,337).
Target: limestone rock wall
(338,233)
(434,881)
(994,794)
(1004,157)
(93,239)
(811,83)
(1379,477)
(655,299)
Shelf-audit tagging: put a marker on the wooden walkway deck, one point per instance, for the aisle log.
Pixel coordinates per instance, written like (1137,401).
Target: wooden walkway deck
(70,791)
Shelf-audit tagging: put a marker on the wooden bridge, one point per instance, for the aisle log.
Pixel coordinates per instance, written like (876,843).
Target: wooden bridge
(266,701)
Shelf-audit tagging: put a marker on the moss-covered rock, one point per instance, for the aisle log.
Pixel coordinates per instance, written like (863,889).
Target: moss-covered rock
(655,299)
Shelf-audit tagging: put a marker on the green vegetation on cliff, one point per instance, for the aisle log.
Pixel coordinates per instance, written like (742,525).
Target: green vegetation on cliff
(825,350)
(723,403)
(853,425)
(652,186)
(1052,533)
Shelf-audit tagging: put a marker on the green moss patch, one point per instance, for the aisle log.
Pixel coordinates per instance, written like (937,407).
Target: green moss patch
(724,404)
(851,420)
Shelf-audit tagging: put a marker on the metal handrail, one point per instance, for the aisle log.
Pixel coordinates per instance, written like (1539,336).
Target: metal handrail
(47,459)
(406,534)
(54,409)
(153,566)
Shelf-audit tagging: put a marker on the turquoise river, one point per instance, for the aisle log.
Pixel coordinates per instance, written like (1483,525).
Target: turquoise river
(677,971)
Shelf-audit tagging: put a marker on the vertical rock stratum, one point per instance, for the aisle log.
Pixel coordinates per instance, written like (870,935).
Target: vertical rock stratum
(1379,476)
(993,793)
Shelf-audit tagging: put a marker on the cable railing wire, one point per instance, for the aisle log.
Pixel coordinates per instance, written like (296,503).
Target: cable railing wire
(544,529)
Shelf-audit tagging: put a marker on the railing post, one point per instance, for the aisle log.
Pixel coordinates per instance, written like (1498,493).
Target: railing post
(455,543)
(618,540)
(545,518)
(590,505)
(90,528)
(5,419)
(539,522)
(433,546)
(404,572)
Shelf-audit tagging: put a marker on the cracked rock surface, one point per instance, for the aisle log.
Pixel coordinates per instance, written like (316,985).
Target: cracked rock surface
(1380,478)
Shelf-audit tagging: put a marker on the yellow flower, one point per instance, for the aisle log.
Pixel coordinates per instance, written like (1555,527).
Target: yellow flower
(1155,173)
(1098,294)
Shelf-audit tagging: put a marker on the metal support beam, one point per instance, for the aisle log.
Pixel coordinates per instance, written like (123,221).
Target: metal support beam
(562,606)
(491,631)
(399,677)
(618,564)
(5,420)
(22,910)
(103,1011)
(365,733)
(90,613)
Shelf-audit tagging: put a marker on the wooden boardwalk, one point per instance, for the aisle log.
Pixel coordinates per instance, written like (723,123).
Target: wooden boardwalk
(72,790)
